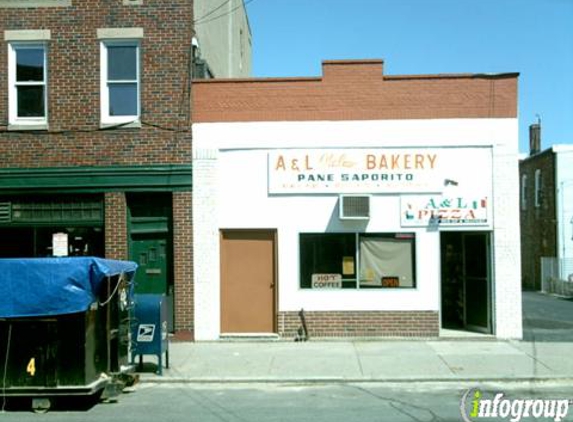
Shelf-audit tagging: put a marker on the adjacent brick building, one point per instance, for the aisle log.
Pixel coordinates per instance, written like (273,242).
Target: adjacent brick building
(95,136)
(380,205)
(546,204)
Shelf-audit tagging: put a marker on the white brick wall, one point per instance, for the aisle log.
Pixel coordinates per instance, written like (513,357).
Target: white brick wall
(206,244)
(228,168)
(506,240)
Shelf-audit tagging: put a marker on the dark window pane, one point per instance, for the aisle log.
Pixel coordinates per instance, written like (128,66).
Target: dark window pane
(31,101)
(476,304)
(121,63)
(476,250)
(123,99)
(327,254)
(30,64)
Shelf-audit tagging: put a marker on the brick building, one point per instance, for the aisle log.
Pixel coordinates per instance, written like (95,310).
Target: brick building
(95,136)
(546,213)
(381,205)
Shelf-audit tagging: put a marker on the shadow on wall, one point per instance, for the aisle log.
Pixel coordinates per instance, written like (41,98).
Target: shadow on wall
(350,224)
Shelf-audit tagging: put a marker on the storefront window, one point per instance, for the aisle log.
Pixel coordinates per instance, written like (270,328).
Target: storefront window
(82,241)
(328,253)
(28,225)
(354,260)
(27,242)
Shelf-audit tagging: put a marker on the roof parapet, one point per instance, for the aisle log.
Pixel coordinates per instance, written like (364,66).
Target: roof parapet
(355,69)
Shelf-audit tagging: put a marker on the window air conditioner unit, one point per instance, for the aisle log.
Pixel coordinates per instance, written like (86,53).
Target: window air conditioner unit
(354,207)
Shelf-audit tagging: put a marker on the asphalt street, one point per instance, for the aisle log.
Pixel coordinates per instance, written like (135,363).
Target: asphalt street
(547,322)
(547,318)
(291,403)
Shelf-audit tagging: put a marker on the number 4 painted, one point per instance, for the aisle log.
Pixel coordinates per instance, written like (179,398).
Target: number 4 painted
(31,368)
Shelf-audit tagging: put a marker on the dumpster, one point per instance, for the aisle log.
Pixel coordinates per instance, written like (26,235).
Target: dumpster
(64,327)
(150,329)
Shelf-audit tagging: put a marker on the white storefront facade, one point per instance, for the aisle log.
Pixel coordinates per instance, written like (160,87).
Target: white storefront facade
(374,227)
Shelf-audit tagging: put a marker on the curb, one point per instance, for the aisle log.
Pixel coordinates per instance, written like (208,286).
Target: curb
(339,380)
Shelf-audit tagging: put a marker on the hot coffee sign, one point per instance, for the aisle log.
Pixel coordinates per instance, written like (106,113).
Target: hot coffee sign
(356,171)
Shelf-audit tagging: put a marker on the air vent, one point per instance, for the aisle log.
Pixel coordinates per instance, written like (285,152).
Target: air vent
(5,212)
(354,207)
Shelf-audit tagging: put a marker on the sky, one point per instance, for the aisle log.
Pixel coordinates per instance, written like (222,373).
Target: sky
(532,37)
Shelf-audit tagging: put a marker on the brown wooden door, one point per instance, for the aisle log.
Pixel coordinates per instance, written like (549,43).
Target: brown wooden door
(248,279)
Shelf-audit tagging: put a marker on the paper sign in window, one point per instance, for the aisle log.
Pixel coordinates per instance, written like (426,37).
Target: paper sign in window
(347,265)
(326,281)
(60,244)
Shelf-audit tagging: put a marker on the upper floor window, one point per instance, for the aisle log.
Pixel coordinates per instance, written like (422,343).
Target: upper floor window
(27,76)
(538,188)
(524,192)
(120,82)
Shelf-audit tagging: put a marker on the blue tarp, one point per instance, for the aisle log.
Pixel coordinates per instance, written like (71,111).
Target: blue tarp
(54,286)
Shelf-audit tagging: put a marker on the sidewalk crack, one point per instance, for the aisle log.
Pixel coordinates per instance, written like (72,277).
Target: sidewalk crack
(453,370)
(358,358)
(536,361)
(271,365)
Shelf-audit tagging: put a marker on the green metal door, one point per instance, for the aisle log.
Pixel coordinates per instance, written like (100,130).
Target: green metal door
(151,245)
(152,274)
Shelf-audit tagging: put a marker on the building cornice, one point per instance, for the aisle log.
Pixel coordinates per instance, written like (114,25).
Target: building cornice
(96,179)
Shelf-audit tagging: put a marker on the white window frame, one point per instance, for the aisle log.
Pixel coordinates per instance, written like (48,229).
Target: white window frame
(14,121)
(106,119)
(538,188)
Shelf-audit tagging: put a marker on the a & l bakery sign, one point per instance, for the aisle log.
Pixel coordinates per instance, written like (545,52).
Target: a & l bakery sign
(355,170)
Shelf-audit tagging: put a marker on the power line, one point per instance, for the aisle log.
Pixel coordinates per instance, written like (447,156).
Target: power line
(212,11)
(102,129)
(224,14)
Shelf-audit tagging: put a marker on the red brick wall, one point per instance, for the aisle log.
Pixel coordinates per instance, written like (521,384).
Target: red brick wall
(538,224)
(116,226)
(183,263)
(362,323)
(355,90)
(74,137)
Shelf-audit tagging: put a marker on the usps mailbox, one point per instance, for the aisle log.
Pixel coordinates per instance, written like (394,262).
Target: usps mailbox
(149,333)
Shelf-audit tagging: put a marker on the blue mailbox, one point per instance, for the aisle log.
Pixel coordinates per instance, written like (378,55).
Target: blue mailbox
(149,332)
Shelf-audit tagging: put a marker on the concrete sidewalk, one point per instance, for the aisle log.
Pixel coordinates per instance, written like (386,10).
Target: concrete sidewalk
(366,361)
